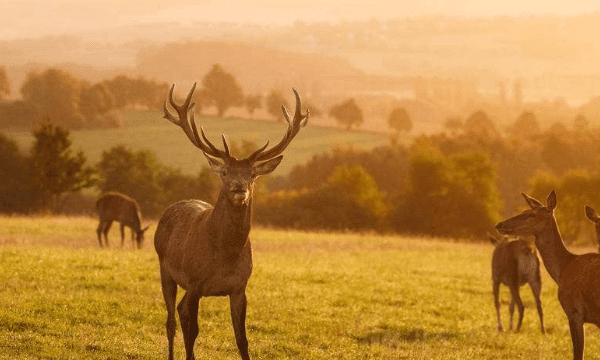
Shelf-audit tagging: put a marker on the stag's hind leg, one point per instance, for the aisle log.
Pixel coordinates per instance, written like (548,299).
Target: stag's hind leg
(577,337)
(169,289)
(188,317)
(237,303)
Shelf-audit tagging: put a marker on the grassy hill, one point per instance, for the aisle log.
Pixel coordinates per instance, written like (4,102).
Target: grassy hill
(313,296)
(148,130)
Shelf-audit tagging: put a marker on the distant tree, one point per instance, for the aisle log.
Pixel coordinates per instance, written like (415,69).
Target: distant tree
(18,114)
(481,126)
(580,123)
(274,101)
(557,129)
(55,94)
(96,101)
(347,113)
(315,111)
(253,102)
(132,173)
(221,89)
(17,193)
(121,87)
(4,83)
(453,125)
(56,169)
(399,120)
(557,154)
(525,126)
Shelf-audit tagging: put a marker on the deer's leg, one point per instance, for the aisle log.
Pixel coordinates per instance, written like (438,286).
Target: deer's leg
(496,288)
(105,231)
(122,228)
(237,304)
(516,298)
(536,289)
(188,316)
(99,232)
(169,289)
(578,338)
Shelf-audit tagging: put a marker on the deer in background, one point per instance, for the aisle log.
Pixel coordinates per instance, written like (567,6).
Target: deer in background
(206,249)
(577,276)
(591,214)
(114,206)
(514,264)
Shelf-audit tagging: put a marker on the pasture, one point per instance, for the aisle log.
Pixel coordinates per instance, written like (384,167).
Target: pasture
(311,296)
(148,130)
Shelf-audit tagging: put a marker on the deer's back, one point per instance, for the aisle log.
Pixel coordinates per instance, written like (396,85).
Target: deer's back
(114,206)
(511,262)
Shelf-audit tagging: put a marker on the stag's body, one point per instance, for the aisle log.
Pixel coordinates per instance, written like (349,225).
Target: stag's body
(204,249)
(514,264)
(114,206)
(577,276)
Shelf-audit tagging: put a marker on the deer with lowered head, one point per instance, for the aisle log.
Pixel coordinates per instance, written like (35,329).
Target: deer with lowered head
(514,264)
(205,249)
(591,214)
(577,276)
(114,206)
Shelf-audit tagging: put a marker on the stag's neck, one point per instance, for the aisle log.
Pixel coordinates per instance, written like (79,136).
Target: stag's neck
(553,251)
(230,225)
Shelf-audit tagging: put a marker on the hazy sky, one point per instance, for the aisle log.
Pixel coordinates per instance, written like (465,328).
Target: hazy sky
(19,18)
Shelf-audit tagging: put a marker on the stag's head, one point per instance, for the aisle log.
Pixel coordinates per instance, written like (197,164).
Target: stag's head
(531,221)
(237,175)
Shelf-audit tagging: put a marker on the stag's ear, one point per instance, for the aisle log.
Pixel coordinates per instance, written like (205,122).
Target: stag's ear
(215,165)
(267,166)
(551,200)
(591,214)
(533,203)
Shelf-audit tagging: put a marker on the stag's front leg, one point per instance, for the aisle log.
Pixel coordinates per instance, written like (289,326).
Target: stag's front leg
(577,337)
(188,317)
(237,303)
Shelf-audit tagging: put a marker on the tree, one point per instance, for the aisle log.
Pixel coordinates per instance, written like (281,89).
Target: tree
(17,193)
(96,101)
(56,169)
(481,126)
(274,101)
(55,94)
(525,126)
(253,102)
(580,123)
(221,90)
(347,113)
(399,120)
(453,125)
(4,83)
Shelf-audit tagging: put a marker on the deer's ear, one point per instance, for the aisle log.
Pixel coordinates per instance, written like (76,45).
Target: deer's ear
(551,200)
(215,165)
(267,166)
(533,203)
(591,214)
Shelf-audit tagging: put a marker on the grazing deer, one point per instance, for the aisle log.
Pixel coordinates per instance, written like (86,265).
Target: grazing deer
(205,249)
(514,264)
(114,206)
(577,276)
(591,214)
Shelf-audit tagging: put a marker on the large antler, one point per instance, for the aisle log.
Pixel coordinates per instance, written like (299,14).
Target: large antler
(294,126)
(192,132)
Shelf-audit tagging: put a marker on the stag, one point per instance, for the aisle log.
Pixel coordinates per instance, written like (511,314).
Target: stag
(577,276)
(591,214)
(114,206)
(206,249)
(514,264)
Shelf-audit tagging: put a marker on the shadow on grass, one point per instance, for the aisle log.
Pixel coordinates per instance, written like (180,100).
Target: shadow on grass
(391,336)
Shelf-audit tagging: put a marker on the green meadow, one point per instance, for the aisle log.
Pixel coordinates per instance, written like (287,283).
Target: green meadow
(148,130)
(311,296)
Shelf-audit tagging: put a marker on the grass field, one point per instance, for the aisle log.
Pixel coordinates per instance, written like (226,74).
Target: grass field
(148,130)
(311,296)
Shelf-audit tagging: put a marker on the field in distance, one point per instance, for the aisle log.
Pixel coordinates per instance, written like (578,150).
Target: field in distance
(148,130)
(311,296)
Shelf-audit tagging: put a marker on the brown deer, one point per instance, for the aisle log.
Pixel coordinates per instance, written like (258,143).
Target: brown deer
(577,276)
(514,264)
(591,214)
(114,206)
(206,249)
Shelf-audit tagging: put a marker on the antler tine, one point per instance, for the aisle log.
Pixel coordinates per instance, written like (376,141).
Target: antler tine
(294,126)
(183,122)
(214,151)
